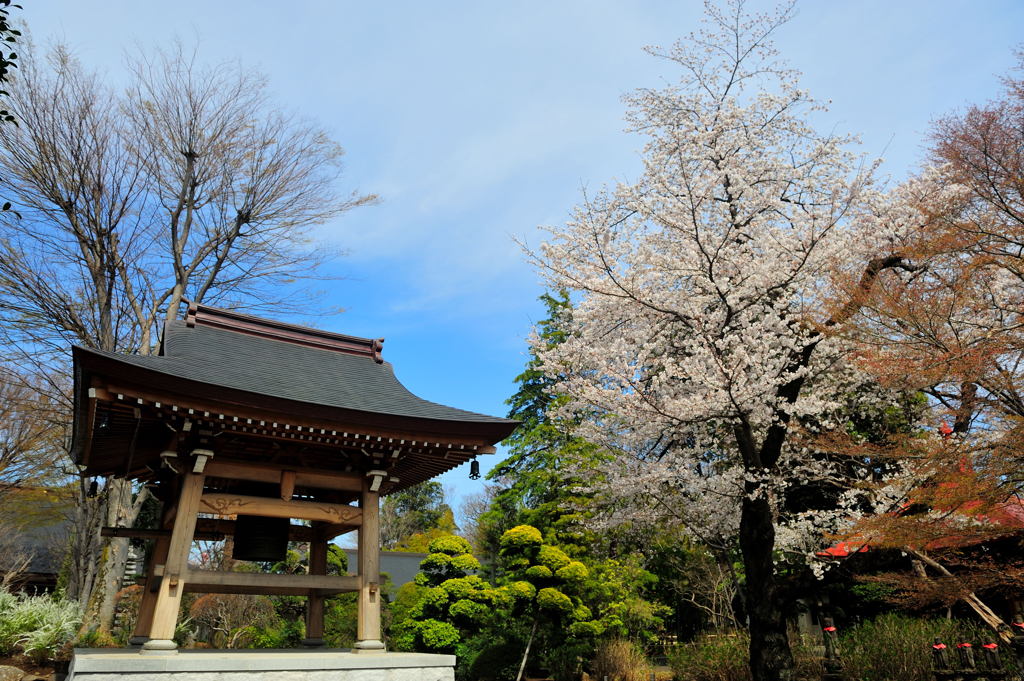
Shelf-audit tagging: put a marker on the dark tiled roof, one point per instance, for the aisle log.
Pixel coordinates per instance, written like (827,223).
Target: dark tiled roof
(290,371)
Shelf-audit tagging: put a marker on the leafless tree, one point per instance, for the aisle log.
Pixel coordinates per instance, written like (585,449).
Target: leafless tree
(189,185)
(29,444)
(231,617)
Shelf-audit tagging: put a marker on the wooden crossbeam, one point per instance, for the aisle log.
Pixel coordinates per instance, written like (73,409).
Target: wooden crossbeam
(221,503)
(132,533)
(344,482)
(213,529)
(262,590)
(211,581)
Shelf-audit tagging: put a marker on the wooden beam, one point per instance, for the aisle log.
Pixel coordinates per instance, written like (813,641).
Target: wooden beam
(168,599)
(368,629)
(211,529)
(262,590)
(199,535)
(390,438)
(147,606)
(315,603)
(319,479)
(273,583)
(220,503)
(287,485)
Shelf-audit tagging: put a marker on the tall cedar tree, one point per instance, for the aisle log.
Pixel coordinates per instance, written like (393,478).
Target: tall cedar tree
(535,482)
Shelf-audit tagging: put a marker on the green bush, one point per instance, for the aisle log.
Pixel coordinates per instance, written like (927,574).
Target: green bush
(449,544)
(38,625)
(484,658)
(522,589)
(714,657)
(895,646)
(573,572)
(57,627)
(554,600)
(521,537)
(891,647)
(725,657)
(552,557)
(282,634)
(437,636)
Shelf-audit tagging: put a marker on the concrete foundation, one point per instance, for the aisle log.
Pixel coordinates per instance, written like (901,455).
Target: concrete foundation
(258,665)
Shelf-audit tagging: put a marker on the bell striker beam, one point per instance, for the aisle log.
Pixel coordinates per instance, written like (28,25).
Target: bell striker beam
(368,632)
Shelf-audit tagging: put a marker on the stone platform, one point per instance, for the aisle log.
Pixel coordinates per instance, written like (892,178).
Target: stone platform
(110,664)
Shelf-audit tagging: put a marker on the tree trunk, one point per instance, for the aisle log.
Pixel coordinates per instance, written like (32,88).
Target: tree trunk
(987,615)
(122,511)
(526,653)
(770,656)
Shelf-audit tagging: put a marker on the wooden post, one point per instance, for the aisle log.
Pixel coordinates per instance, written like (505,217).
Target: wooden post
(368,636)
(315,603)
(172,583)
(144,622)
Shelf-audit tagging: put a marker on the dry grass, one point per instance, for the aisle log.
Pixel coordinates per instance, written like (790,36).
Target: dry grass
(620,660)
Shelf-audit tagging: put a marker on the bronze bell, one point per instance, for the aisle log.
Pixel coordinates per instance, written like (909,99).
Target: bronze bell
(261,539)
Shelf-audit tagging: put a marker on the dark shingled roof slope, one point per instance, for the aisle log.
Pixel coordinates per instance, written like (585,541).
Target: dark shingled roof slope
(289,371)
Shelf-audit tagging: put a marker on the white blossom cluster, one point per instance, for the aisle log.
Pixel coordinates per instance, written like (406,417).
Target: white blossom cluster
(704,288)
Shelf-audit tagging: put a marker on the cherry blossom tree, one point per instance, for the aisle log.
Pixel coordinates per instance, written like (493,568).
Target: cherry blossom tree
(702,343)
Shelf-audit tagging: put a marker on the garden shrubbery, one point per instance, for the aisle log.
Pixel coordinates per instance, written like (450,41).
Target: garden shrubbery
(896,646)
(37,626)
(892,646)
(621,659)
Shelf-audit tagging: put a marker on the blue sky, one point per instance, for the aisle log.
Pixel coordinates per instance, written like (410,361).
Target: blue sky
(478,121)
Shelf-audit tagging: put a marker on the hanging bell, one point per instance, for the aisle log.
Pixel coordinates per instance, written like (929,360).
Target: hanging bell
(261,539)
(474,470)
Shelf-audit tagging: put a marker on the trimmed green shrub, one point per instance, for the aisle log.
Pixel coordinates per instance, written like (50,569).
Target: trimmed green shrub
(438,636)
(521,537)
(451,545)
(554,600)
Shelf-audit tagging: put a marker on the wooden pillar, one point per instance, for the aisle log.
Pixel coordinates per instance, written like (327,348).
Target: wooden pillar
(172,583)
(368,636)
(144,621)
(315,603)
(147,606)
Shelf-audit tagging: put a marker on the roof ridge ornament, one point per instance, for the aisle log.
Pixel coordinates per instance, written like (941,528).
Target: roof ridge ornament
(197,314)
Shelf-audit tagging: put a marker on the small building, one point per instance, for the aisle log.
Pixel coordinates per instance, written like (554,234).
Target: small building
(35,536)
(400,566)
(241,424)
